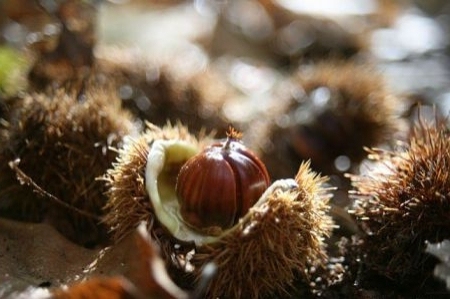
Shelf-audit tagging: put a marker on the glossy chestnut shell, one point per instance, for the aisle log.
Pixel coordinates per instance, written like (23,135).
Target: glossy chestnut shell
(220,184)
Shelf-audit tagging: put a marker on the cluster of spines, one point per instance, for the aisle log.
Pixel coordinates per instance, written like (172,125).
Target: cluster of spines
(404,203)
(279,241)
(61,144)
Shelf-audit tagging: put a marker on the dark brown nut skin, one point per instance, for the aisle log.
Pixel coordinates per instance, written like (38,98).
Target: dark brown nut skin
(219,185)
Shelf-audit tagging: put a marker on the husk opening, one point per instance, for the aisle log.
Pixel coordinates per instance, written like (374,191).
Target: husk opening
(279,240)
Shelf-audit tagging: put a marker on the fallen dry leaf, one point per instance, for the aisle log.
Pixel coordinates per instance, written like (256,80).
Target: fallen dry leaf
(148,277)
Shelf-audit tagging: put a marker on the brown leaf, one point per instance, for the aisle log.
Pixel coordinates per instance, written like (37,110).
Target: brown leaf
(150,274)
(100,288)
(148,277)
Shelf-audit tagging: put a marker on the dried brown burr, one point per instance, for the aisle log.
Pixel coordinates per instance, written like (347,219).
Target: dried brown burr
(335,110)
(57,145)
(401,203)
(159,92)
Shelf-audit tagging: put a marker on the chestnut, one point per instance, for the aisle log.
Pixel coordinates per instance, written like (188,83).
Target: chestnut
(219,185)
(280,237)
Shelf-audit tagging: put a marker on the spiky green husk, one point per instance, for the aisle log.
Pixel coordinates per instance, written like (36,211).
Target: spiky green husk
(63,146)
(404,203)
(274,244)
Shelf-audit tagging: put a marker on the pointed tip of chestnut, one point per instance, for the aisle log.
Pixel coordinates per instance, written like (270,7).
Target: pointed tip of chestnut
(219,185)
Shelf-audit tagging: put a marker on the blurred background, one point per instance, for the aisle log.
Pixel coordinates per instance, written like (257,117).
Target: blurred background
(251,43)
(317,80)
(212,63)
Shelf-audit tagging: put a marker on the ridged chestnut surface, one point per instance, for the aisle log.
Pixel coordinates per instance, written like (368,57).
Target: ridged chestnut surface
(219,185)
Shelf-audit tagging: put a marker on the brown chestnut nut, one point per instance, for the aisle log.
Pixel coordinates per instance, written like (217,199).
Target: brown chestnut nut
(279,242)
(219,185)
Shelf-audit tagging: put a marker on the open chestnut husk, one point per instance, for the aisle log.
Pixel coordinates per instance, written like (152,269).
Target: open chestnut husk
(278,240)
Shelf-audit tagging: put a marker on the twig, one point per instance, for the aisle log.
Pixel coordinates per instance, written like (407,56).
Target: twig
(25,179)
